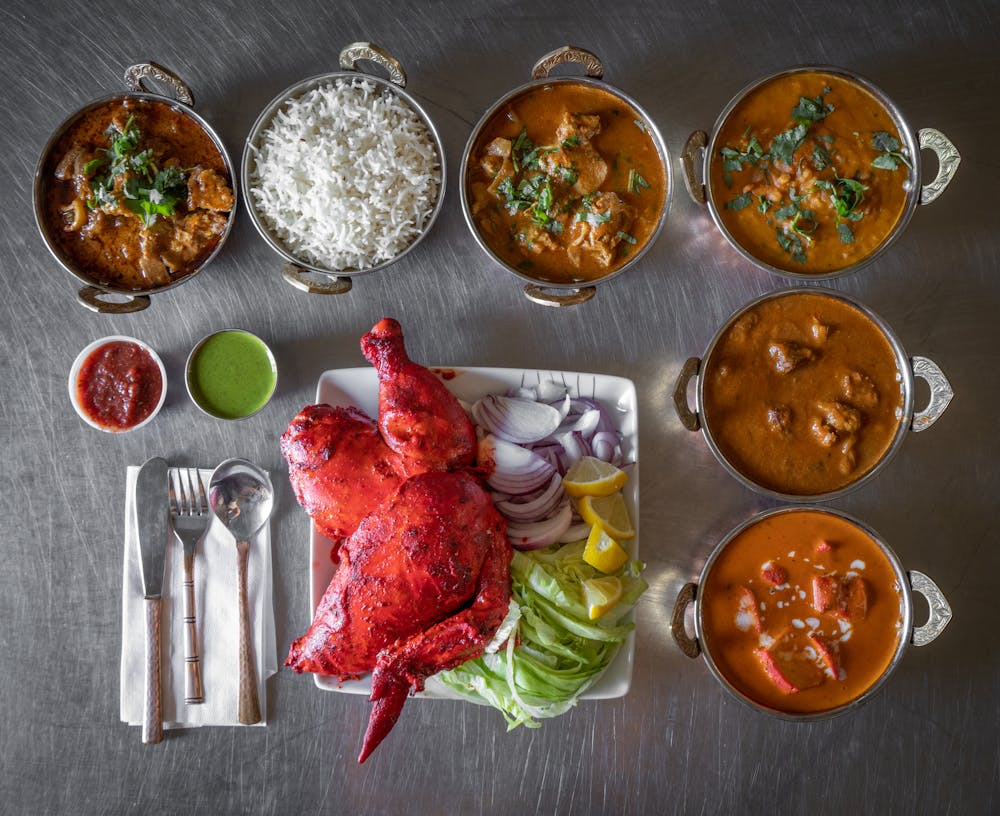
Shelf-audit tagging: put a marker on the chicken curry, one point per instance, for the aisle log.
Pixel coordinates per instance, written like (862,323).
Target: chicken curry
(810,175)
(802,393)
(801,611)
(566,183)
(138,195)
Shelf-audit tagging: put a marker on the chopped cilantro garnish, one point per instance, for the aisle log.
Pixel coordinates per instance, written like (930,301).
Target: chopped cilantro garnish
(812,110)
(784,145)
(740,202)
(636,183)
(890,151)
(572,141)
(846,236)
(626,237)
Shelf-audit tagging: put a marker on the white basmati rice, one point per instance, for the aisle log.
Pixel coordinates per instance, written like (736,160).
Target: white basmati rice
(346,176)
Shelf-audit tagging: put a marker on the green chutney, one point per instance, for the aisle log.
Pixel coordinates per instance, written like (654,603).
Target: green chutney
(231,375)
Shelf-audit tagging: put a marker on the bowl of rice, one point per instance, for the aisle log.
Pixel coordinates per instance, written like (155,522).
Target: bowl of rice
(343,173)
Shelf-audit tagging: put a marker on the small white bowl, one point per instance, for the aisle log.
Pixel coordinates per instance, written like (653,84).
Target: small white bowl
(74,374)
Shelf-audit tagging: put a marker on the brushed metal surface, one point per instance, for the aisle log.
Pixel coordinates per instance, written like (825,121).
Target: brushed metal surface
(927,743)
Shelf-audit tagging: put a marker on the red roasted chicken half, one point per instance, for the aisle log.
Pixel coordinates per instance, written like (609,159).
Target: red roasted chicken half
(423,579)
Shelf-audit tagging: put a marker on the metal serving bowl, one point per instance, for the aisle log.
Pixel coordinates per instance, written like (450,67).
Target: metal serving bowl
(908,582)
(94,294)
(299,273)
(909,368)
(704,145)
(547,293)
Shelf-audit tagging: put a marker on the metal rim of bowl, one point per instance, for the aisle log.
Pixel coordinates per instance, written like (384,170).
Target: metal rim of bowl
(194,352)
(906,380)
(911,185)
(654,133)
(293,92)
(38,193)
(81,358)
(903,635)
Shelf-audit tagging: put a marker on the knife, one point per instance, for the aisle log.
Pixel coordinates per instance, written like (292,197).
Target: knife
(152,508)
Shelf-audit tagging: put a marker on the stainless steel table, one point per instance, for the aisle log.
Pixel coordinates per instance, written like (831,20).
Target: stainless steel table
(928,743)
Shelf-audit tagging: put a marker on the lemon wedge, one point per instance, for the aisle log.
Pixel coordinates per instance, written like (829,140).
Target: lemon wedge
(603,552)
(593,477)
(600,594)
(609,513)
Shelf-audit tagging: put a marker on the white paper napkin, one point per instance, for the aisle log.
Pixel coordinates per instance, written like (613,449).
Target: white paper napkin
(218,623)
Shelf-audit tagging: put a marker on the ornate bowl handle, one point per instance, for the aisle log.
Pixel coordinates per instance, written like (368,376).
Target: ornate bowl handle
(689,419)
(369,51)
(687,644)
(941,392)
(135,74)
(568,53)
(694,149)
(315,283)
(948,161)
(940,611)
(542,296)
(93,299)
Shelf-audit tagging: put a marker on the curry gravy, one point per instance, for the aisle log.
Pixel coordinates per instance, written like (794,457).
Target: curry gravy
(565,183)
(802,393)
(760,612)
(784,213)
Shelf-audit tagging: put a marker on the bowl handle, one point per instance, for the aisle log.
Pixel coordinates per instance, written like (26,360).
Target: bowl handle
(940,611)
(93,299)
(542,296)
(135,74)
(569,53)
(369,51)
(321,284)
(689,419)
(687,644)
(948,161)
(941,393)
(694,149)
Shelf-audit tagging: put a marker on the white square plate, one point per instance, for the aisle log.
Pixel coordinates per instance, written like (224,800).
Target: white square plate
(358,387)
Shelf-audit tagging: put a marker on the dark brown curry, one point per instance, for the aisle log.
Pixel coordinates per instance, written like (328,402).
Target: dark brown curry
(137,194)
(809,174)
(802,393)
(565,183)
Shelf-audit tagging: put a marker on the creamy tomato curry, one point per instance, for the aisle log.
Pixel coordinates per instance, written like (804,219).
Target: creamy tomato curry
(138,195)
(801,611)
(565,183)
(810,175)
(802,393)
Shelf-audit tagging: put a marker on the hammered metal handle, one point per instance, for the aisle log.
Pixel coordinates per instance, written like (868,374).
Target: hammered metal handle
(135,74)
(948,161)
(941,393)
(543,297)
(369,51)
(688,645)
(691,156)
(249,705)
(301,279)
(152,713)
(940,611)
(93,299)
(689,419)
(568,53)
(193,691)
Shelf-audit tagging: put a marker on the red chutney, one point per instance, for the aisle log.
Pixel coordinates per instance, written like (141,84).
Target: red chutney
(119,385)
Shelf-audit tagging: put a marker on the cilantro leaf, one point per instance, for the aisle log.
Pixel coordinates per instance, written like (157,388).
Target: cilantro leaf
(784,145)
(846,236)
(740,202)
(891,151)
(812,110)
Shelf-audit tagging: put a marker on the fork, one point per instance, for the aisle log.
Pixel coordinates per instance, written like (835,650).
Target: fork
(190,517)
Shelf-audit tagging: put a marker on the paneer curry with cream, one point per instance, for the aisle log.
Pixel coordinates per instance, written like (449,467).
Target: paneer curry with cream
(138,194)
(801,611)
(565,183)
(802,393)
(809,174)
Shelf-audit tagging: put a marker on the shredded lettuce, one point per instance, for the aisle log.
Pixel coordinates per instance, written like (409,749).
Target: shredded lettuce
(547,652)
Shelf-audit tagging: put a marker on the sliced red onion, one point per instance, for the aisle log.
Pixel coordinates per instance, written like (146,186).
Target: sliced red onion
(575,446)
(516,420)
(535,535)
(563,406)
(575,532)
(511,468)
(535,507)
(524,392)
(550,391)
(605,444)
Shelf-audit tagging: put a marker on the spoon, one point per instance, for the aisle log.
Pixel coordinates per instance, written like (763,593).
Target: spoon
(242,498)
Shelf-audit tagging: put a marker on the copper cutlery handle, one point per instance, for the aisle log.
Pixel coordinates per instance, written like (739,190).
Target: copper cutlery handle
(249,705)
(193,691)
(152,720)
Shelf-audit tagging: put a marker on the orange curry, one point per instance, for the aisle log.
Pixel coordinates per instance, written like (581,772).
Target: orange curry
(566,183)
(138,195)
(801,612)
(802,393)
(809,174)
